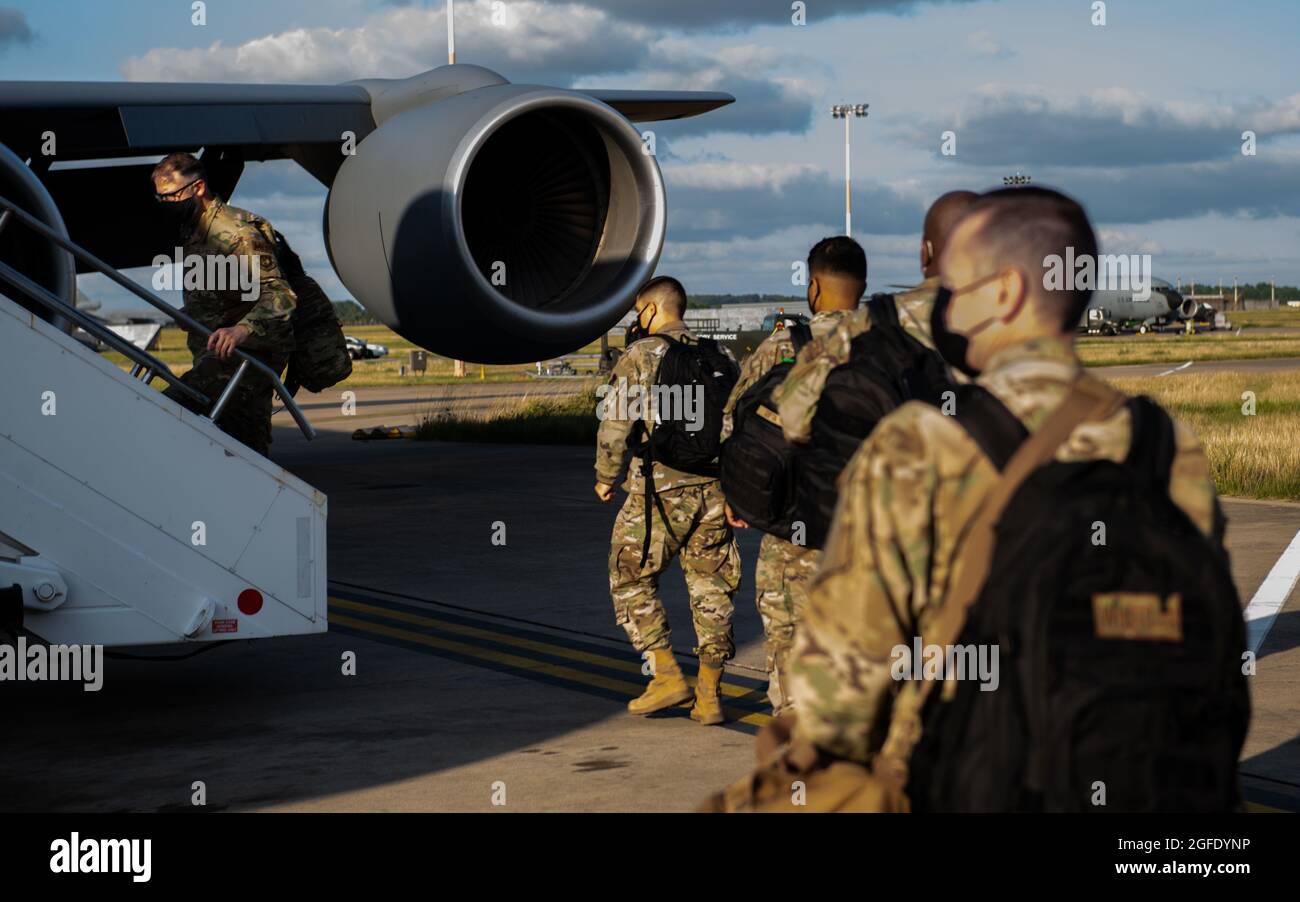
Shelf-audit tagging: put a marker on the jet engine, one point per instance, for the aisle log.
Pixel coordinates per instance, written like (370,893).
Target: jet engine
(503,224)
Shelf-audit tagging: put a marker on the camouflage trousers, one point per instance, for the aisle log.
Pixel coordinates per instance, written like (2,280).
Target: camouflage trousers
(782,579)
(697,530)
(247,415)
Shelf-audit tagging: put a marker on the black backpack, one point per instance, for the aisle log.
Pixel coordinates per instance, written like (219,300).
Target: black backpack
(671,442)
(320,357)
(756,458)
(886,367)
(674,442)
(1107,684)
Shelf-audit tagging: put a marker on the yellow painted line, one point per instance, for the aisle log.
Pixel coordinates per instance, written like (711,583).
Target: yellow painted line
(507,639)
(541,667)
(1257,808)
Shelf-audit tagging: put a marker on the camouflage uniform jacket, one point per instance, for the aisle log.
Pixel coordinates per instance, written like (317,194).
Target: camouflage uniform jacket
(776,348)
(632,379)
(907,498)
(228,231)
(796,398)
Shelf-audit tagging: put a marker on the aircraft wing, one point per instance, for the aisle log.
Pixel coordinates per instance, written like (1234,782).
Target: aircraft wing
(656,106)
(93,120)
(98,130)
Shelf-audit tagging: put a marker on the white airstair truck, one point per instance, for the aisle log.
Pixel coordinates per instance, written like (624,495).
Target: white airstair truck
(124,518)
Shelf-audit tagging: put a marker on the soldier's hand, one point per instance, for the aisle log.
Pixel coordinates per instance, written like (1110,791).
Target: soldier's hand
(604,492)
(735,521)
(224,341)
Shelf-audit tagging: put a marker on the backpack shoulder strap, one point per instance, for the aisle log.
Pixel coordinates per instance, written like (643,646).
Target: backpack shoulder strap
(1088,399)
(988,421)
(1153,445)
(800,335)
(883,311)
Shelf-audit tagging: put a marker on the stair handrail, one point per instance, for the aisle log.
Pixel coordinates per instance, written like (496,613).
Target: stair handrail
(144,359)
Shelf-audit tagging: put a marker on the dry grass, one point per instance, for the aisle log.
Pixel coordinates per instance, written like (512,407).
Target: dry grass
(373,373)
(1251,456)
(1134,349)
(1093,351)
(536,420)
(1283,316)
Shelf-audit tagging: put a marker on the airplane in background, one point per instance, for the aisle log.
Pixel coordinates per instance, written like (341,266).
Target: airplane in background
(1112,310)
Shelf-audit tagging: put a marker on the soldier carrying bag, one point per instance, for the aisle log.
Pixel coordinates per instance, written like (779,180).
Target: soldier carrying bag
(320,356)
(757,461)
(1119,637)
(886,368)
(930,739)
(693,446)
(772,484)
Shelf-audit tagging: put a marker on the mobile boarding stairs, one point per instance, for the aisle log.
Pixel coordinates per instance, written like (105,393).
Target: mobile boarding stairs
(124,518)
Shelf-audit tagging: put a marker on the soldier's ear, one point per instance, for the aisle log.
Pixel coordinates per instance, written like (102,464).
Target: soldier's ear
(1013,294)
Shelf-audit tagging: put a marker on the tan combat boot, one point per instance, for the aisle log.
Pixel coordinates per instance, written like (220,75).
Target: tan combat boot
(708,701)
(668,688)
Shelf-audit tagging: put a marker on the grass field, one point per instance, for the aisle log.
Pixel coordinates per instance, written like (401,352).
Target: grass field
(372,373)
(1282,317)
(539,421)
(1095,351)
(1165,348)
(1251,456)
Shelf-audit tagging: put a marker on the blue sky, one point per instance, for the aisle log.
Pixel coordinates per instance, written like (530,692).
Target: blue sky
(1140,118)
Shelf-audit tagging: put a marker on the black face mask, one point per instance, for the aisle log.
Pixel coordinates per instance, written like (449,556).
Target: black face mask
(951,346)
(635,331)
(180,213)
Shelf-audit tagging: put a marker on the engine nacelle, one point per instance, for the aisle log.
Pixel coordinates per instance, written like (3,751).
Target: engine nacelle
(506,224)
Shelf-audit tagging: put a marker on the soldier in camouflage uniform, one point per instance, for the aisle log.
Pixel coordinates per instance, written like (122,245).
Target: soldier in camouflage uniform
(259,325)
(686,519)
(796,397)
(837,278)
(910,494)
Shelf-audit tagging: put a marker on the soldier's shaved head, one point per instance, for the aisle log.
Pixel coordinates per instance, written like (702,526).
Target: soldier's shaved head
(666,293)
(994,270)
(940,220)
(1021,228)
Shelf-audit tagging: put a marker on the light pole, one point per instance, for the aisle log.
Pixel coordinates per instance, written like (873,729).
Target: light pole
(847,112)
(451,32)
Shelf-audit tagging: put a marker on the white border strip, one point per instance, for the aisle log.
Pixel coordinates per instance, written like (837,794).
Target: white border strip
(1272,595)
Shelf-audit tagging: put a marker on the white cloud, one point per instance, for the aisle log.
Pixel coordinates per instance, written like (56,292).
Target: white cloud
(985,43)
(534,39)
(737,176)
(535,42)
(1122,241)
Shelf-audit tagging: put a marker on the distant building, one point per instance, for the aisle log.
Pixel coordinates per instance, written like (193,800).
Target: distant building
(728,317)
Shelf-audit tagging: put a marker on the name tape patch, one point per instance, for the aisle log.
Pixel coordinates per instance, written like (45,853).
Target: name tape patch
(1140,616)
